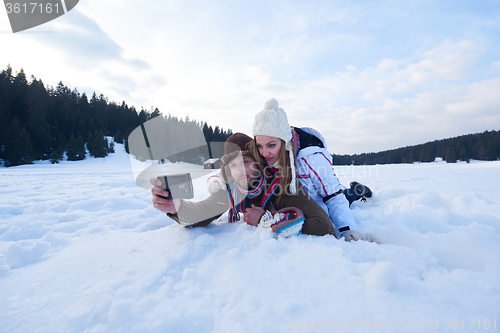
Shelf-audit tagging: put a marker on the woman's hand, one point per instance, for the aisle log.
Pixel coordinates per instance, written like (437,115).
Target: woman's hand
(253,215)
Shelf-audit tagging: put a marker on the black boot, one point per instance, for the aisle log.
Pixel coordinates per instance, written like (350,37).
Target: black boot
(361,190)
(356,192)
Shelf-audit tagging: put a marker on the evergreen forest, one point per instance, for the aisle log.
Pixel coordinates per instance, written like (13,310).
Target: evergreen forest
(481,146)
(39,122)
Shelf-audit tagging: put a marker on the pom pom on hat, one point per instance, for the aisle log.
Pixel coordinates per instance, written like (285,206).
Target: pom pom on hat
(271,104)
(272,121)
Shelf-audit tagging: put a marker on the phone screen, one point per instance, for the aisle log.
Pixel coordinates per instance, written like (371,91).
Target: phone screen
(180,186)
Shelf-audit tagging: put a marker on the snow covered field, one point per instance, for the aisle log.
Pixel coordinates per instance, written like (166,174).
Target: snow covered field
(83,250)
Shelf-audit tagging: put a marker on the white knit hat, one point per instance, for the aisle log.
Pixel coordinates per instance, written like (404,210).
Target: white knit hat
(272,121)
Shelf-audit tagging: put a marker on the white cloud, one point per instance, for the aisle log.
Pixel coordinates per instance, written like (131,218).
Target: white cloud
(398,102)
(426,117)
(496,64)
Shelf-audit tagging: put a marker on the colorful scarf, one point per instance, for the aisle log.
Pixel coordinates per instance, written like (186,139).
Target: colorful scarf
(237,200)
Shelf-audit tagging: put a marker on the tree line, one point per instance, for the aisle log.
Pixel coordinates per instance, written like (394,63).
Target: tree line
(481,146)
(168,139)
(39,122)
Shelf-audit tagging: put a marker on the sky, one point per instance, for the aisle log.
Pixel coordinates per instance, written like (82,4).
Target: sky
(368,75)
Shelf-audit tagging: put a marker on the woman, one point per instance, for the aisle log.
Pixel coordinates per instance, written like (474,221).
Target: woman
(302,153)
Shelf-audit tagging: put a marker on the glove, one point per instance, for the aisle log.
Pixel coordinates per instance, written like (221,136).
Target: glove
(285,223)
(215,184)
(355,235)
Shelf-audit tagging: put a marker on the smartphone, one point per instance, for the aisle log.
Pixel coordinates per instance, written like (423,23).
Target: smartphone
(179,186)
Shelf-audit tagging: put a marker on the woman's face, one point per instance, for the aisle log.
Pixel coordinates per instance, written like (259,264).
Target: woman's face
(269,147)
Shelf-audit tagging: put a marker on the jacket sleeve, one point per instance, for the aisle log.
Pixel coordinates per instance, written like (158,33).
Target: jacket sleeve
(322,181)
(197,214)
(340,213)
(317,222)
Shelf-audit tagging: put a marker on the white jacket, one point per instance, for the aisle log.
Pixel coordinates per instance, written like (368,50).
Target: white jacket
(315,172)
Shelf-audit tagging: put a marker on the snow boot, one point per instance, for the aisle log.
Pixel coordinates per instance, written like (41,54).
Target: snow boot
(357,191)
(361,190)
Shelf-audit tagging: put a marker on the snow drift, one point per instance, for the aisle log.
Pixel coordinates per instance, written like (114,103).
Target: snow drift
(83,250)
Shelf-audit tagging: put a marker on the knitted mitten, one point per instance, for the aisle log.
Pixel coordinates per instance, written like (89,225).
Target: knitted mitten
(215,184)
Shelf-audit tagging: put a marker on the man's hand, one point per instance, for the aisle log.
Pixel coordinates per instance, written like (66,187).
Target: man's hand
(159,201)
(253,215)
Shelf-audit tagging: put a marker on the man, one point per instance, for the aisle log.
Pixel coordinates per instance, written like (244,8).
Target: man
(249,193)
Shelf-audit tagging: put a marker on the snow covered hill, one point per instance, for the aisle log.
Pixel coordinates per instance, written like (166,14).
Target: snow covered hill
(83,250)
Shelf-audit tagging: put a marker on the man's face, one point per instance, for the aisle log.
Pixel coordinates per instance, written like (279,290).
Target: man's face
(243,170)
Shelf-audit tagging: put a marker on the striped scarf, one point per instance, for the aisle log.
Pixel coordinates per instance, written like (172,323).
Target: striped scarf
(237,202)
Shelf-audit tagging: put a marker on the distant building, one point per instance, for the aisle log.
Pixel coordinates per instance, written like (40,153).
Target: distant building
(213,163)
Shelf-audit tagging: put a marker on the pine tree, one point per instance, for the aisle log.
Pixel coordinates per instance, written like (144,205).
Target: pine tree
(17,143)
(38,126)
(490,151)
(57,149)
(80,145)
(127,147)
(18,97)
(429,155)
(3,122)
(56,155)
(71,148)
(451,156)
(463,154)
(411,158)
(111,148)
(155,113)
(22,153)
(127,133)
(118,137)
(75,148)
(98,145)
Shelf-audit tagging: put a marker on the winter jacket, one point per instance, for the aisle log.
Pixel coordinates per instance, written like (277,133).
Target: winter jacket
(195,214)
(316,174)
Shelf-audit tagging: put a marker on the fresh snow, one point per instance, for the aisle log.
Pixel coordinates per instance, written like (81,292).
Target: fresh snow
(83,250)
